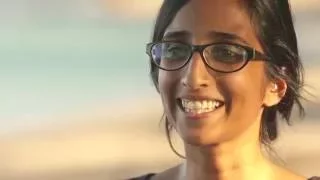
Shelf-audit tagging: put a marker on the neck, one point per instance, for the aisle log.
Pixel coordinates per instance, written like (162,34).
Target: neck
(240,159)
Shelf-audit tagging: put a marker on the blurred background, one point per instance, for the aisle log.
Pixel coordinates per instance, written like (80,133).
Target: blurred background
(76,101)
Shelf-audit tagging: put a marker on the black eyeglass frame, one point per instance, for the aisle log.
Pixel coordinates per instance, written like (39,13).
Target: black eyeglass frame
(252,54)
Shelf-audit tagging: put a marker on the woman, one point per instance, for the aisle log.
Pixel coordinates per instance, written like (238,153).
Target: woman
(224,70)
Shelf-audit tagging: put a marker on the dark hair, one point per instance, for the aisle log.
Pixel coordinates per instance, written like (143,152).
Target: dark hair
(272,20)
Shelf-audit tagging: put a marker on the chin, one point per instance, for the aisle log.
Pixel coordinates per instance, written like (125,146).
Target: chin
(196,139)
(203,134)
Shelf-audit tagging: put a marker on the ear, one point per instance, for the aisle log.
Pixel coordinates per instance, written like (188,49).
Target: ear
(275,91)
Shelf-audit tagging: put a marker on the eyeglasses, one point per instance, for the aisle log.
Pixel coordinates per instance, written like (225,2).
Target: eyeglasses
(220,57)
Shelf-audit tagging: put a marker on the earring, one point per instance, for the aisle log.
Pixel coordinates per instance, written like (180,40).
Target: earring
(283,70)
(275,87)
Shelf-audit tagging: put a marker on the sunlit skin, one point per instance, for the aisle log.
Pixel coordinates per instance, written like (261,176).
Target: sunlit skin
(225,144)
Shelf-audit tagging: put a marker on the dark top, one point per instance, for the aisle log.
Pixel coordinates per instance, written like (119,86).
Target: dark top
(148,177)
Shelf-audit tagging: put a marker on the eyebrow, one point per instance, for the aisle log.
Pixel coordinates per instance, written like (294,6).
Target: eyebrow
(216,35)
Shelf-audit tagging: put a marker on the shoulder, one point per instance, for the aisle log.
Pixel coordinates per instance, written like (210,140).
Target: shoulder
(314,178)
(143,177)
(282,173)
(169,174)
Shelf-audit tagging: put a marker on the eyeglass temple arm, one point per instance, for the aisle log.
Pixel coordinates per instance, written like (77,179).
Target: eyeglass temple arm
(148,48)
(256,55)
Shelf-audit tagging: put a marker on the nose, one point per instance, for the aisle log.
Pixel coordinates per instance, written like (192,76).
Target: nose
(195,74)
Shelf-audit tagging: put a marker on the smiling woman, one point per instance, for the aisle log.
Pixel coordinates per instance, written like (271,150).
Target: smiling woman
(224,70)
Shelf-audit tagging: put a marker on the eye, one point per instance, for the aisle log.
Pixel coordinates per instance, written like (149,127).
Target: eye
(227,53)
(175,51)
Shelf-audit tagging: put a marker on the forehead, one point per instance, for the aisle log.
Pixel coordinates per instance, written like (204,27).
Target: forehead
(198,17)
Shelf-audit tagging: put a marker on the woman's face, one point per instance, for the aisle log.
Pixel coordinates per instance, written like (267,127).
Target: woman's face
(242,93)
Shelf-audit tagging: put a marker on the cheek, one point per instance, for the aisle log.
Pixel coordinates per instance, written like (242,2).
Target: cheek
(168,82)
(245,89)
(243,96)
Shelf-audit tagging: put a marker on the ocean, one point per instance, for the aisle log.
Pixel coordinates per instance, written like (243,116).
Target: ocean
(52,69)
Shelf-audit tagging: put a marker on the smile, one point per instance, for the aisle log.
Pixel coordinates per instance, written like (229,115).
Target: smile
(200,106)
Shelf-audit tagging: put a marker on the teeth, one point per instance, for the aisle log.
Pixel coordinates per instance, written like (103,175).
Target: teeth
(215,104)
(204,104)
(210,104)
(199,106)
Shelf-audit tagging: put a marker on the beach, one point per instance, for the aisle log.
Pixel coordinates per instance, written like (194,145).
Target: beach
(117,150)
